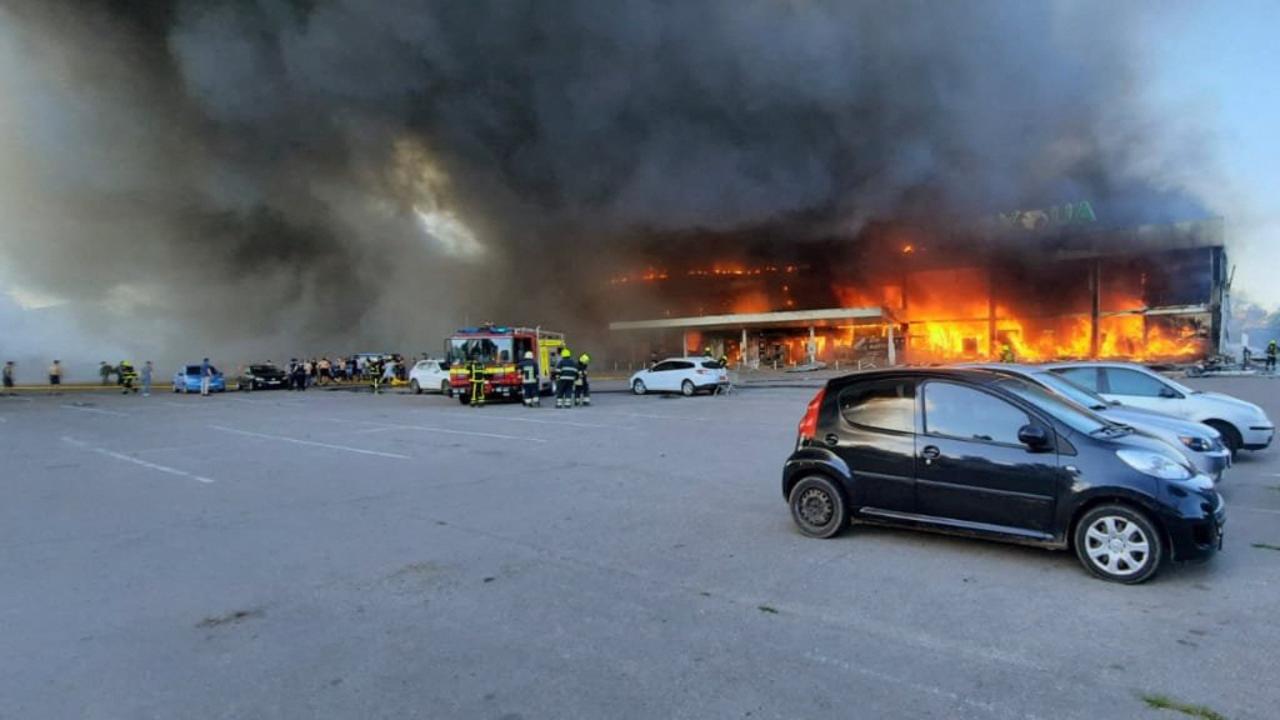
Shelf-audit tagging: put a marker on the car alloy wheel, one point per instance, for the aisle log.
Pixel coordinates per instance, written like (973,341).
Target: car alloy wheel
(686,388)
(1119,544)
(415,387)
(818,508)
(638,387)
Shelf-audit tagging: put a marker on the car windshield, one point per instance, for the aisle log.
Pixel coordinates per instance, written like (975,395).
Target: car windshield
(1075,415)
(1071,391)
(193,370)
(263,368)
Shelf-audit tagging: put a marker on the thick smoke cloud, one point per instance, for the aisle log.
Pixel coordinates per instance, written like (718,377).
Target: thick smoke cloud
(300,175)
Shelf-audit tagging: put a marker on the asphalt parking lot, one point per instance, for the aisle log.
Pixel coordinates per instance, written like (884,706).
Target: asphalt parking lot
(341,555)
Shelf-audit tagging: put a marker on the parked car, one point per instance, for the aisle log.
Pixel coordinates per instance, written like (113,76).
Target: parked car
(258,377)
(1200,444)
(187,380)
(981,454)
(429,376)
(685,375)
(1243,425)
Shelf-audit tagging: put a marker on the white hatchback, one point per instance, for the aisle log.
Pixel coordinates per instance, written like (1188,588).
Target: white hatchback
(685,375)
(429,376)
(1243,425)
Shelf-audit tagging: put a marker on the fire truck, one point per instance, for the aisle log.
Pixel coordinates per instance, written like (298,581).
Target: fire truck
(497,348)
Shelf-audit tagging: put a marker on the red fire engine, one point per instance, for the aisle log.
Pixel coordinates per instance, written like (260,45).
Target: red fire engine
(497,349)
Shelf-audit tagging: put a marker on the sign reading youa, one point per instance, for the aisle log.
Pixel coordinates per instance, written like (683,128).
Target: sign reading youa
(1080,213)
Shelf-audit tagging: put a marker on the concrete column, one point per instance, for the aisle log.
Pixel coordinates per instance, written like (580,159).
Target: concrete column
(742,350)
(813,346)
(893,352)
(684,343)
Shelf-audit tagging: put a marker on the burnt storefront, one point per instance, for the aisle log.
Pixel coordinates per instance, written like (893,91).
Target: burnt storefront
(898,293)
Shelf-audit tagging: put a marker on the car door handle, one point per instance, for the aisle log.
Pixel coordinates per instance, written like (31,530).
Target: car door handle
(832,440)
(930,453)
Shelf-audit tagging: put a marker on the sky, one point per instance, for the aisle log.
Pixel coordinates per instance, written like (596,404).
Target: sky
(1219,64)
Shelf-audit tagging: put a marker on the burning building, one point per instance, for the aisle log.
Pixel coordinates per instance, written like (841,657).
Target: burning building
(1039,285)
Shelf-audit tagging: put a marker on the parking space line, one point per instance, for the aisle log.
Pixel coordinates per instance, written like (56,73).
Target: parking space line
(659,417)
(96,410)
(1252,509)
(312,443)
(548,422)
(136,461)
(445,431)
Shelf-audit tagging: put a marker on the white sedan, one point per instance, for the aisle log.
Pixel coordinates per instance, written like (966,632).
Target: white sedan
(683,375)
(429,376)
(1243,425)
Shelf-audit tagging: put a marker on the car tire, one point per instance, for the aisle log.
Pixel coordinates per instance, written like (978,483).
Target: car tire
(175,389)
(1230,435)
(415,387)
(464,398)
(687,389)
(1119,543)
(445,389)
(638,387)
(818,507)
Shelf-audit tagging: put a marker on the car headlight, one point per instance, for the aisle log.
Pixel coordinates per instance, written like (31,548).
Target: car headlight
(1196,442)
(1154,464)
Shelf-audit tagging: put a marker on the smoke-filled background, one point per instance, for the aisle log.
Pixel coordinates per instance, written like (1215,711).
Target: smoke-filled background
(262,178)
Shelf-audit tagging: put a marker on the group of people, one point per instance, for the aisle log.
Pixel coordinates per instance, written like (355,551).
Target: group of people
(375,369)
(569,380)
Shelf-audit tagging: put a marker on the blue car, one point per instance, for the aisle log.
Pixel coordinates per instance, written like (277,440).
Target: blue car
(187,380)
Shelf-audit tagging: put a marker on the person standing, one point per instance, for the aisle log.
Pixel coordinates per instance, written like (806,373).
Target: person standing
(566,377)
(146,378)
(475,374)
(1272,351)
(206,377)
(581,388)
(8,375)
(55,373)
(528,369)
(105,371)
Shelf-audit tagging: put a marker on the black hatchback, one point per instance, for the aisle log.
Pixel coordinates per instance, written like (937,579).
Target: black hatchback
(975,453)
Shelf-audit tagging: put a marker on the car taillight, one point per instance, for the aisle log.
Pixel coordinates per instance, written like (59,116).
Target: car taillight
(809,423)
(700,371)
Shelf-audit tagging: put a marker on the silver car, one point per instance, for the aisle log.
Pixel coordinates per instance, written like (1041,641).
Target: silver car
(1200,444)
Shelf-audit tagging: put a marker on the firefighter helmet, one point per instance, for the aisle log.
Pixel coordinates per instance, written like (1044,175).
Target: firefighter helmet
(584,358)
(564,352)
(528,354)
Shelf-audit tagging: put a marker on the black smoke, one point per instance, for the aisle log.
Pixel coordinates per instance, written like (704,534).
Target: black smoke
(245,174)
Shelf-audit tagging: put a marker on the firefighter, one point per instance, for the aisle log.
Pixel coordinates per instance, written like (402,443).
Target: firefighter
(128,376)
(475,373)
(566,377)
(375,374)
(1006,354)
(1272,351)
(581,388)
(528,369)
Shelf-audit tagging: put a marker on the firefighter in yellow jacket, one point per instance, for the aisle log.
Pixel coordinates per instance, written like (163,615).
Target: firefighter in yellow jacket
(475,375)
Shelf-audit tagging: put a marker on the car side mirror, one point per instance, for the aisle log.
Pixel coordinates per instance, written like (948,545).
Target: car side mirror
(1035,437)
(1166,392)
